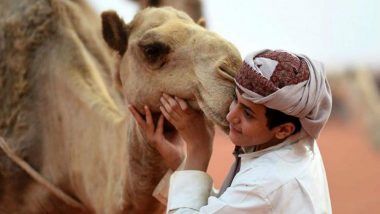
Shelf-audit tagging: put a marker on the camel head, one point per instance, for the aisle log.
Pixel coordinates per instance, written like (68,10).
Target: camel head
(164,50)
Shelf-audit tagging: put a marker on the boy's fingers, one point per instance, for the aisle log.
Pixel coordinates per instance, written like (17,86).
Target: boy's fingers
(148,114)
(172,107)
(166,115)
(169,107)
(172,102)
(160,125)
(165,103)
(182,103)
(140,121)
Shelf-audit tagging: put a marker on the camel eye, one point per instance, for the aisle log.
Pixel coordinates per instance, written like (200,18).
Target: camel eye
(155,52)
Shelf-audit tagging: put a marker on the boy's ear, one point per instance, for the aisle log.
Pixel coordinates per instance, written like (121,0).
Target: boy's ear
(115,31)
(284,130)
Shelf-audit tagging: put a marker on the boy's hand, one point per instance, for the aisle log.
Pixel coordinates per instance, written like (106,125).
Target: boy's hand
(172,152)
(193,128)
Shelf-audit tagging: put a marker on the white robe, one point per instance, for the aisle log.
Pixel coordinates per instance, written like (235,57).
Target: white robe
(286,178)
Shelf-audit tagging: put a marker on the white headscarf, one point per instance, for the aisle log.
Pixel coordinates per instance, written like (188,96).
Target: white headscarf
(309,100)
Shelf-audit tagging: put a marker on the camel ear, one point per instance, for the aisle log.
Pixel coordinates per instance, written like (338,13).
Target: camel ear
(148,3)
(115,31)
(202,22)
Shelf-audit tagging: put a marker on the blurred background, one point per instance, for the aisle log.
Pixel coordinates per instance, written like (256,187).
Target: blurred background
(345,36)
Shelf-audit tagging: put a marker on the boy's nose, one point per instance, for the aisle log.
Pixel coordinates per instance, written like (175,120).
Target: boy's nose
(232,115)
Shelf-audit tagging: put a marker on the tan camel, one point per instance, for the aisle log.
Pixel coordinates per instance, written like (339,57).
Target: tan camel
(357,97)
(61,113)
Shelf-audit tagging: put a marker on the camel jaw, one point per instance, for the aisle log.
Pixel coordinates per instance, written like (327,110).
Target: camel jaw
(212,115)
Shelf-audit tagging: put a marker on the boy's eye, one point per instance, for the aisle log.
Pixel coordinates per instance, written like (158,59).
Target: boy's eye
(247,114)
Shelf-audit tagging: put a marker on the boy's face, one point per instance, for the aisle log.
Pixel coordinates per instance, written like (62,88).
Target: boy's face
(248,123)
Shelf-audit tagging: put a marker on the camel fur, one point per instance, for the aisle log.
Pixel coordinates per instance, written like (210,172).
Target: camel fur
(62,112)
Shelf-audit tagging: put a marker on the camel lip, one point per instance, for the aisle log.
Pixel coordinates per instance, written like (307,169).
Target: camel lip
(212,115)
(216,118)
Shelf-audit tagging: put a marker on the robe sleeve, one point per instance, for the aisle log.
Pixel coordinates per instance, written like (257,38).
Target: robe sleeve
(190,192)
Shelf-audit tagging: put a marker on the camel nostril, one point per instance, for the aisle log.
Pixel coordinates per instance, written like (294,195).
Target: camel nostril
(226,73)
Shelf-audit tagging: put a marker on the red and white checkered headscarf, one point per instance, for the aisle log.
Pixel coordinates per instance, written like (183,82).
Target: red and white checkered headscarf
(290,83)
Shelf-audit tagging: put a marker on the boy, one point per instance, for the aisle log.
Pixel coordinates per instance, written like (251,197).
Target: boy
(283,101)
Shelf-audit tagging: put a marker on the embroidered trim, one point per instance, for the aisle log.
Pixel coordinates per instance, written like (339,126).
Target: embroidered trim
(290,70)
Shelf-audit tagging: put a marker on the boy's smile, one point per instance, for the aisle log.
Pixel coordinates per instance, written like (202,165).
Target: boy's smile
(234,129)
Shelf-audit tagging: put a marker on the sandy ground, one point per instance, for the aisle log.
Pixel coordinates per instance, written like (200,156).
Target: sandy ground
(351,161)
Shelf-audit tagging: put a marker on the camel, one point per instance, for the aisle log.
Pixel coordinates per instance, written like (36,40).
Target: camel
(62,113)
(360,82)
